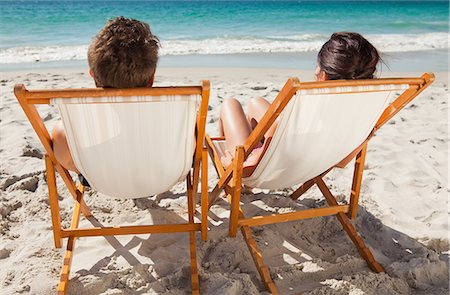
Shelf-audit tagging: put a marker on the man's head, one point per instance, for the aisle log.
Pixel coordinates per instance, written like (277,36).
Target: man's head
(124,54)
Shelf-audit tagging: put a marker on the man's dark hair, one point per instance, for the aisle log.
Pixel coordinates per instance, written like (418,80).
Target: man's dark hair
(123,54)
(348,55)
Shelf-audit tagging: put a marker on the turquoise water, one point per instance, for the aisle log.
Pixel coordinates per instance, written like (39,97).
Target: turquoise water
(61,30)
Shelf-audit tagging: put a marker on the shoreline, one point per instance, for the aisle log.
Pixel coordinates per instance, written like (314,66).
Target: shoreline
(410,61)
(246,76)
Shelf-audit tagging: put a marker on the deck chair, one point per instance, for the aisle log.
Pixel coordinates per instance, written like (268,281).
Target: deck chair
(321,125)
(127,143)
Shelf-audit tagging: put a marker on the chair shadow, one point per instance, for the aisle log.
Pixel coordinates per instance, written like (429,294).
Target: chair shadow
(168,268)
(311,251)
(301,254)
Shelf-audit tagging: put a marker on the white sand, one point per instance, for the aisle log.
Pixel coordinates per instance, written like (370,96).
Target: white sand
(403,210)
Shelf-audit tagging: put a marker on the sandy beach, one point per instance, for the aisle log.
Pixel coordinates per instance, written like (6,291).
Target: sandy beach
(403,213)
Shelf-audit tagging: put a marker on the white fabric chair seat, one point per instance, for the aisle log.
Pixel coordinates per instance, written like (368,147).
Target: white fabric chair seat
(131,147)
(317,129)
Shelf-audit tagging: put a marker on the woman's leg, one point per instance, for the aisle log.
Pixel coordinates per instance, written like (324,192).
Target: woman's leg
(233,123)
(61,148)
(236,128)
(257,107)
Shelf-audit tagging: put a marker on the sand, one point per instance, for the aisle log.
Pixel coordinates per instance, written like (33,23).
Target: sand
(403,212)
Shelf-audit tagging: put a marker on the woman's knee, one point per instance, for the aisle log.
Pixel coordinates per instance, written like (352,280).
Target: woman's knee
(257,102)
(257,107)
(231,102)
(230,105)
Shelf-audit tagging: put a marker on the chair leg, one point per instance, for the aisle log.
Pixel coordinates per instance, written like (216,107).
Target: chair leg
(237,186)
(54,204)
(256,255)
(204,204)
(65,271)
(192,242)
(193,258)
(259,262)
(235,192)
(356,184)
(364,251)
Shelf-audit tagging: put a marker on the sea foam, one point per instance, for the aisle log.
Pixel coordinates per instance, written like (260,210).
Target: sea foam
(231,45)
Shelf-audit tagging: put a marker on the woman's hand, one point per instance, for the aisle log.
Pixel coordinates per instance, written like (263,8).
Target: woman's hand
(227,159)
(252,159)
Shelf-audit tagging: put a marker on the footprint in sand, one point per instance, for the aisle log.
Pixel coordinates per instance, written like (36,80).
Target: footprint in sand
(30,151)
(29,184)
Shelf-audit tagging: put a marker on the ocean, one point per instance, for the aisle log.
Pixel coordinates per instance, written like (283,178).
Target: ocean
(49,31)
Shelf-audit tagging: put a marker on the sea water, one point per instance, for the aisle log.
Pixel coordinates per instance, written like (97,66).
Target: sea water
(49,31)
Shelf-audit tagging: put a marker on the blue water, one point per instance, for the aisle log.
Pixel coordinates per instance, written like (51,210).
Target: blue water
(53,29)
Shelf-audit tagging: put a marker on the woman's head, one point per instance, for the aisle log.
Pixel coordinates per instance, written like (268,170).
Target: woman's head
(347,55)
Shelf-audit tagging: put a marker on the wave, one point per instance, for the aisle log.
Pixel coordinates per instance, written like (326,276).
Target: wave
(233,45)
(42,53)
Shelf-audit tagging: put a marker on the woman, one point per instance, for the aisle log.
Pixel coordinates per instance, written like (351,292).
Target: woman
(345,56)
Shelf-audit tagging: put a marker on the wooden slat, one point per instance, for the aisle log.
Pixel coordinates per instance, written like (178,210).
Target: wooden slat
(54,204)
(356,183)
(350,229)
(76,213)
(238,164)
(395,107)
(213,195)
(44,96)
(258,260)
(302,189)
(217,138)
(350,83)
(199,157)
(204,202)
(200,132)
(65,271)
(405,98)
(307,185)
(285,217)
(224,180)
(254,251)
(192,242)
(193,260)
(344,162)
(214,155)
(71,187)
(130,230)
(219,169)
(190,199)
(35,120)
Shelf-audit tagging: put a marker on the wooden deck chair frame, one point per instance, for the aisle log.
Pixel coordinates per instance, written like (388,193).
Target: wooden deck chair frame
(28,101)
(230,178)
